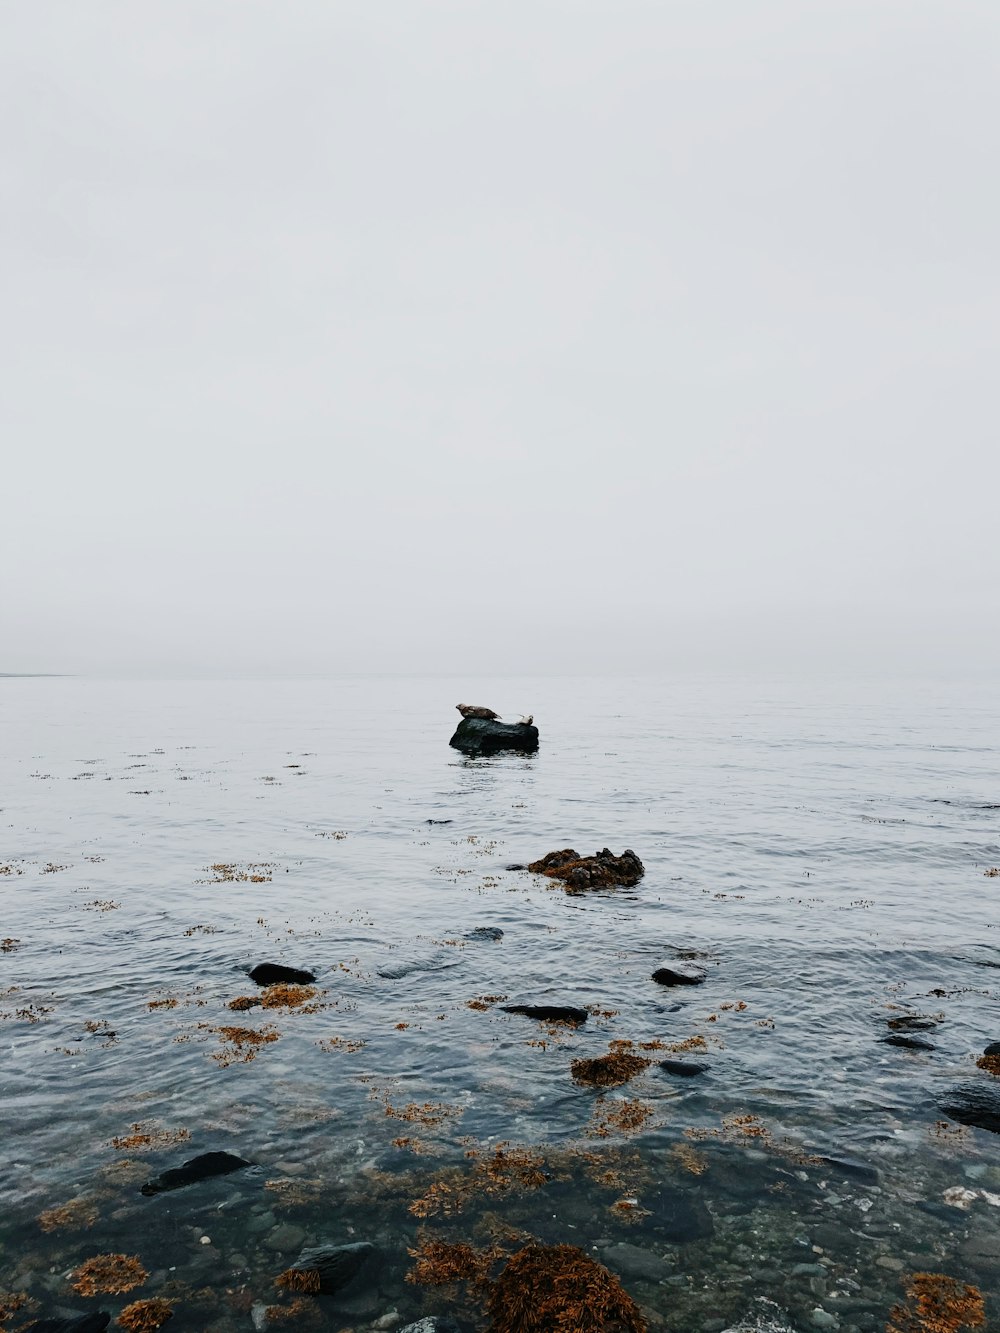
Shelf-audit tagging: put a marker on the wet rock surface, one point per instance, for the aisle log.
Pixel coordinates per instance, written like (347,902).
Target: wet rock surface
(204,1167)
(269,974)
(484,933)
(337,1266)
(679,974)
(683,1068)
(992,1049)
(974,1104)
(550,1013)
(479,735)
(908,1043)
(603,870)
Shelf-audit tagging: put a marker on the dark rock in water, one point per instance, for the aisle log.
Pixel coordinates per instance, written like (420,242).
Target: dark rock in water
(678,1217)
(851,1166)
(975,1104)
(993,1048)
(912,1023)
(198,1168)
(550,1013)
(269,974)
(680,974)
(434,1323)
(406,967)
(603,870)
(336,1265)
(481,735)
(485,933)
(438,821)
(82,1323)
(683,1068)
(908,1043)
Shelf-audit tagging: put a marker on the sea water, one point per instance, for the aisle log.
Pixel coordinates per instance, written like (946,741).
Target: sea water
(820,848)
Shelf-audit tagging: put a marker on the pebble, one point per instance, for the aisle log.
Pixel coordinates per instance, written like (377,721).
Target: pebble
(389,1320)
(890,1262)
(291,1168)
(808,1270)
(285,1238)
(205,1240)
(820,1318)
(633,1261)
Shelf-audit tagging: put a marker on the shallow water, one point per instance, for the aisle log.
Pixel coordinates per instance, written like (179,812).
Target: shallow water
(821,847)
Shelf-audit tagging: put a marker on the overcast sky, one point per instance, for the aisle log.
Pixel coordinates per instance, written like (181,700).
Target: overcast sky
(521,335)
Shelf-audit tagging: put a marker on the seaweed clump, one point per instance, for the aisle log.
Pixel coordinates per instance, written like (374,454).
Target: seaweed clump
(560,1289)
(145,1316)
(991,1063)
(439,1264)
(609,1071)
(299,1279)
(110,1273)
(78,1212)
(603,870)
(937,1303)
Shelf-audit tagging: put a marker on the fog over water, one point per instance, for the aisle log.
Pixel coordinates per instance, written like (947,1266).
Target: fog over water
(522,338)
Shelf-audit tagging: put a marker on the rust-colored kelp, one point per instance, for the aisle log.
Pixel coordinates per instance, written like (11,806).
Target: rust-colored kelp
(936,1303)
(79,1212)
(560,1289)
(609,1071)
(145,1316)
(109,1273)
(578,873)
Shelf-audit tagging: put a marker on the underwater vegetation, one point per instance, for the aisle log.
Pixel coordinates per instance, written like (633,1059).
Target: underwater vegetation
(609,1071)
(936,1303)
(145,1316)
(109,1273)
(560,1289)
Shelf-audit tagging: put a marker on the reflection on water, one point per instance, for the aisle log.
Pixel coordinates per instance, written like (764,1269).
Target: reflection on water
(820,853)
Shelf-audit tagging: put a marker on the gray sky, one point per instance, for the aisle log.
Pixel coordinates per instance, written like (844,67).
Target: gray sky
(511,336)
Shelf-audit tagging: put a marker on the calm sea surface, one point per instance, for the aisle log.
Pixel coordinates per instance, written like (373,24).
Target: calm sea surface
(820,848)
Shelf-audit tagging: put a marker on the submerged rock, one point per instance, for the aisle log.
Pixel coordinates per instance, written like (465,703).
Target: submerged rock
(482,735)
(912,1023)
(550,1013)
(484,933)
(680,974)
(678,1217)
(908,1043)
(975,1104)
(603,870)
(683,1068)
(634,1261)
(83,1323)
(198,1168)
(852,1166)
(406,967)
(762,1317)
(435,1323)
(326,1269)
(267,974)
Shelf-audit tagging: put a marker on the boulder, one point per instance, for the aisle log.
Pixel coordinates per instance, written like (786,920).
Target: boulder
(334,1265)
(550,1013)
(993,1048)
(270,974)
(198,1168)
(679,974)
(975,1104)
(493,933)
(480,735)
(603,870)
(683,1068)
(907,1043)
